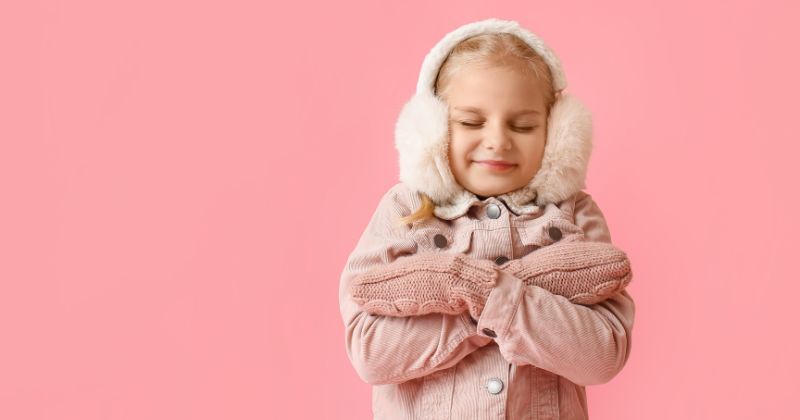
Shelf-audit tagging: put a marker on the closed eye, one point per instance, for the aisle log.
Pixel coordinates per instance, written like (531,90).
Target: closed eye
(476,125)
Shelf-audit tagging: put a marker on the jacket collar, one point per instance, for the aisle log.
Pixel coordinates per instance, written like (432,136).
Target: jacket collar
(421,136)
(519,201)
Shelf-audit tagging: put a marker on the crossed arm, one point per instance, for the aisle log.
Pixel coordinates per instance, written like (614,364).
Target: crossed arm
(587,343)
(581,271)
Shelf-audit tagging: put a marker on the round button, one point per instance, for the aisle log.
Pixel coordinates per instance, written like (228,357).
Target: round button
(493,211)
(495,385)
(489,332)
(554,233)
(500,260)
(440,241)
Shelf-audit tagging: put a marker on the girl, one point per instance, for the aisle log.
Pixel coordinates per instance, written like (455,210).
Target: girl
(485,284)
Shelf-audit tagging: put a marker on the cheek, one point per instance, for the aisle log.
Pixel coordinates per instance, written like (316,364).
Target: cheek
(458,148)
(535,146)
(534,150)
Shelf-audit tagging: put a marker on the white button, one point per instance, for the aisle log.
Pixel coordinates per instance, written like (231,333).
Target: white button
(493,211)
(495,385)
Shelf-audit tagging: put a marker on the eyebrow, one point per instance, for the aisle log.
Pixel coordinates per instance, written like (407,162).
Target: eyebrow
(478,110)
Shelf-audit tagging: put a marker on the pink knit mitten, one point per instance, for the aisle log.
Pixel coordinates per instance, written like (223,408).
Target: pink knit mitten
(424,283)
(584,272)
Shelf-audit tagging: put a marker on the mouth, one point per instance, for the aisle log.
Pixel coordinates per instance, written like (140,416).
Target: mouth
(497,165)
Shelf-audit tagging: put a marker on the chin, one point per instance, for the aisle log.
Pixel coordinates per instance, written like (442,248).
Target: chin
(490,191)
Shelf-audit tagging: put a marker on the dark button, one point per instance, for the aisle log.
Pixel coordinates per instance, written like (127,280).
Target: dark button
(554,233)
(500,260)
(489,332)
(440,241)
(473,320)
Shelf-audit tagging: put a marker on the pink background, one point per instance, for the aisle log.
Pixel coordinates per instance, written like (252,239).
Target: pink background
(182,182)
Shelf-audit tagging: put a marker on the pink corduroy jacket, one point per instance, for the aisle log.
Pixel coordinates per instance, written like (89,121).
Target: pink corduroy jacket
(529,356)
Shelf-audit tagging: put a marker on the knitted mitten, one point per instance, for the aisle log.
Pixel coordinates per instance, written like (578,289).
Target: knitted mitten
(584,272)
(424,283)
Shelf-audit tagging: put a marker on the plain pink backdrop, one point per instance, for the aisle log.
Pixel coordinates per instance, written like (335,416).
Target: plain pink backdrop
(182,182)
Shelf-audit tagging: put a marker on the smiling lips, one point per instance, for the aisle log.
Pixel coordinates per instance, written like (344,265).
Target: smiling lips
(496,165)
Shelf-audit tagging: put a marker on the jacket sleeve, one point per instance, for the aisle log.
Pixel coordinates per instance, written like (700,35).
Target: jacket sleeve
(587,344)
(387,349)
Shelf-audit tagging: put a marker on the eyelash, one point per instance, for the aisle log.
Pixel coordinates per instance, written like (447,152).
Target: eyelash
(524,129)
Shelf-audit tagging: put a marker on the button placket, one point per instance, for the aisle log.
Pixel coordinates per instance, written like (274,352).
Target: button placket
(494,211)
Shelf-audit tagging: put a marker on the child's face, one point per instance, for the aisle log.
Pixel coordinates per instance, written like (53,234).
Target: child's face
(499,129)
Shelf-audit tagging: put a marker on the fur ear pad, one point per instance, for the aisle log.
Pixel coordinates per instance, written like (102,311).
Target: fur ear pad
(566,153)
(422,140)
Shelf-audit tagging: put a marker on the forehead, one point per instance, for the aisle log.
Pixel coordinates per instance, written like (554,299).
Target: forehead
(483,89)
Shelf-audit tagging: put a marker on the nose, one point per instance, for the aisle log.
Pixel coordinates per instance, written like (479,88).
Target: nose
(497,138)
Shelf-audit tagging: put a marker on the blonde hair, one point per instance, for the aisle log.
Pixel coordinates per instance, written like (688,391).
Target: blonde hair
(492,49)
(424,211)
